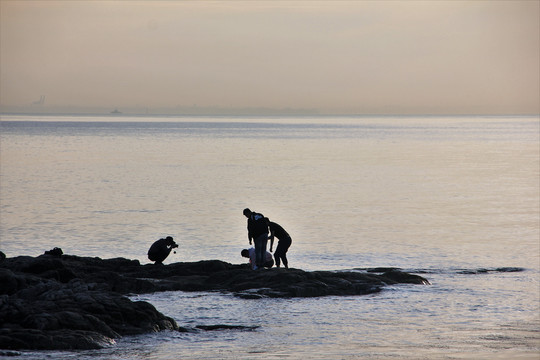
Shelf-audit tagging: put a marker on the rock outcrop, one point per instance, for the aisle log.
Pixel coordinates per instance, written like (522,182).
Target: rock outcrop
(44,305)
(57,301)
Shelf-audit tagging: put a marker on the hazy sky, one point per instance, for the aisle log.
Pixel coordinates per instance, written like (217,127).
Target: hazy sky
(353,56)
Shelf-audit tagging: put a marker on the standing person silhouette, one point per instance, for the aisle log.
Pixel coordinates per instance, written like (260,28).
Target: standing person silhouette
(283,245)
(257,226)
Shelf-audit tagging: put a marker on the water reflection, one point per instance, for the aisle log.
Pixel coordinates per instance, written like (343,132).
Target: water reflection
(436,194)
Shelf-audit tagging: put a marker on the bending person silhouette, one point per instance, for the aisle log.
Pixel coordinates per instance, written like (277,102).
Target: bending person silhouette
(161,249)
(283,245)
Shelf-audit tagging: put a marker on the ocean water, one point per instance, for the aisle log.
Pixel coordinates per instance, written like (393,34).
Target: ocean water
(455,199)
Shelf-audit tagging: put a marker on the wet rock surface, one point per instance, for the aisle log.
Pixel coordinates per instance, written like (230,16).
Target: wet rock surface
(57,301)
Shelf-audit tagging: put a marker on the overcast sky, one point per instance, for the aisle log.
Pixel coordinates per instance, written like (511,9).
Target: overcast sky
(336,56)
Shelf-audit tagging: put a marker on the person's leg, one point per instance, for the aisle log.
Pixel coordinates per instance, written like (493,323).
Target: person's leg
(161,255)
(286,245)
(258,258)
(260,249)
(264,242)
(278,254)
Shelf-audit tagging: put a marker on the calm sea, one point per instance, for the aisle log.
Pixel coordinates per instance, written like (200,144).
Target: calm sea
(456,199)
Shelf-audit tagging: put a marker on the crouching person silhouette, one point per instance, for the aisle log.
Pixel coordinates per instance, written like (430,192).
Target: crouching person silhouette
(250,254)
(161,249)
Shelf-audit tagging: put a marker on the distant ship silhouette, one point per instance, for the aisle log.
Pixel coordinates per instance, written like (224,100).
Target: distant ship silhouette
(41,101)
(115,111)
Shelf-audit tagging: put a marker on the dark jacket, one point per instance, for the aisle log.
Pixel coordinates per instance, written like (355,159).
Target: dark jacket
(257,225)
(278,231)
(160,250)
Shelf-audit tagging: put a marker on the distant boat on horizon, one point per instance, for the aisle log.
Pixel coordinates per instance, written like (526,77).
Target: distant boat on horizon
(41,101)
(115,111)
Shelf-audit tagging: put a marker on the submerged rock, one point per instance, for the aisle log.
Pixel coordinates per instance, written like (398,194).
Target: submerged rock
(57,301)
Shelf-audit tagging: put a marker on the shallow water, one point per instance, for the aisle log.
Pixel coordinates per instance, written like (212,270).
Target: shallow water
(453,198)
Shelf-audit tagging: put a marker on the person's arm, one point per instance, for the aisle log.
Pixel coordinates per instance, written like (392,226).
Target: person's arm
(271,239)
(249,233)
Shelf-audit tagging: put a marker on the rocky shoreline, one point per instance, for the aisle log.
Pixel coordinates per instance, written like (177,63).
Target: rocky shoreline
(59,302)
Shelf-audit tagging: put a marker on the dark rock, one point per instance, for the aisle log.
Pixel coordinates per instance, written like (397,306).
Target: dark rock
(55,252)
(225,327)
(381,269)
(400,277)
(11,282)
(58,301)
(47,303)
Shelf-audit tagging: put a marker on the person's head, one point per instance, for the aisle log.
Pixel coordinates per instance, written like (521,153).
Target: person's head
(247,212)
(245,253)
(170,241)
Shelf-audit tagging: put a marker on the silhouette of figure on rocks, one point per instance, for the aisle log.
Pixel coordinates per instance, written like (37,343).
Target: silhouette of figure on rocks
(257,226)
(283,245)
(161,249)
(250,254)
